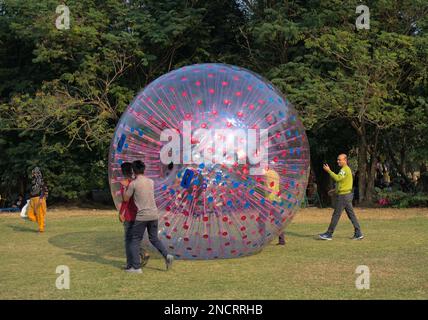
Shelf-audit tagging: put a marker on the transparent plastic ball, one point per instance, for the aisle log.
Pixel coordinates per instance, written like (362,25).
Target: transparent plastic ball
(228,155)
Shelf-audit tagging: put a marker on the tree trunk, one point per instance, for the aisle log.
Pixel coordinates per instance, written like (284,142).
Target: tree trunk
(322,180)
(362,168)
(399,166)
(370,182)
(424,177)
(370,188)
(362,159)
(403,161)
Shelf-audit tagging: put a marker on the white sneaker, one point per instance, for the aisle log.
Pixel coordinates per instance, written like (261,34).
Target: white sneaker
(168,261)
(132,270)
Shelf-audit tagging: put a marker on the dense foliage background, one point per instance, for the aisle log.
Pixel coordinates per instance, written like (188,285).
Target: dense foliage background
(362,92)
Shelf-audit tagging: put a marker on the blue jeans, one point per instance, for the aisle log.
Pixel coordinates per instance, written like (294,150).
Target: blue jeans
(133,237)
(127,226)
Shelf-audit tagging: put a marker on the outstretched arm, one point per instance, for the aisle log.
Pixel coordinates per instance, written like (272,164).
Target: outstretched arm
(336,177)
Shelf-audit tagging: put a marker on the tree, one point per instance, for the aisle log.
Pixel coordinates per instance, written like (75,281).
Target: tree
(333,73)
(69,87)
(63,91)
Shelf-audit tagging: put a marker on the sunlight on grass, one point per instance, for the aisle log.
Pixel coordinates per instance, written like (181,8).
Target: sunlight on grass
(92,247)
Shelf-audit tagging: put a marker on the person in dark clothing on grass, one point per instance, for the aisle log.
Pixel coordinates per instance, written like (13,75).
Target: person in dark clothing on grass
(142,191)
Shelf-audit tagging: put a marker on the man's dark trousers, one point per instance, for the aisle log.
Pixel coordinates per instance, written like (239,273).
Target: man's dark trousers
(344,201)
(136,236)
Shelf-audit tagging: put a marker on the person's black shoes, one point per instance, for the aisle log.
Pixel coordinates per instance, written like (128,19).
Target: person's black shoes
(325,236)
(357,236)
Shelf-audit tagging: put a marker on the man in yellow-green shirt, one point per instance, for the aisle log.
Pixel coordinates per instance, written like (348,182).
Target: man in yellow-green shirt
(344,198)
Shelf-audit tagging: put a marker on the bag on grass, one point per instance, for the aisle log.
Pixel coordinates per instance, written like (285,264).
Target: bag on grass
(24,210)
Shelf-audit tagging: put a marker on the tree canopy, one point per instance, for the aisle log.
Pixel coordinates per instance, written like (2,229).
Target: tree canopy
(363,92)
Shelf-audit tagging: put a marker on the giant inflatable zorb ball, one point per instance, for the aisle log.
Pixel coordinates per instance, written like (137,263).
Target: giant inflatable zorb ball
(228,156)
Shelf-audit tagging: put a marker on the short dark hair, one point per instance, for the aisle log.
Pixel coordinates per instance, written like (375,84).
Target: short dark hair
(126,168)
(171,166)
(138,166)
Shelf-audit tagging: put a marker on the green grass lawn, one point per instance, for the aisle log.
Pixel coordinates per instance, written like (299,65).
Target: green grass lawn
(395,250)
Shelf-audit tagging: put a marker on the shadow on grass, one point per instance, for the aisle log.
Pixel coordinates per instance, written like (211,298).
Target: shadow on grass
(314,236)
(96,259)
(95,247)
(153,268)
(101,260)
(92,246)
(22,229)
(100,243)
(298,235)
